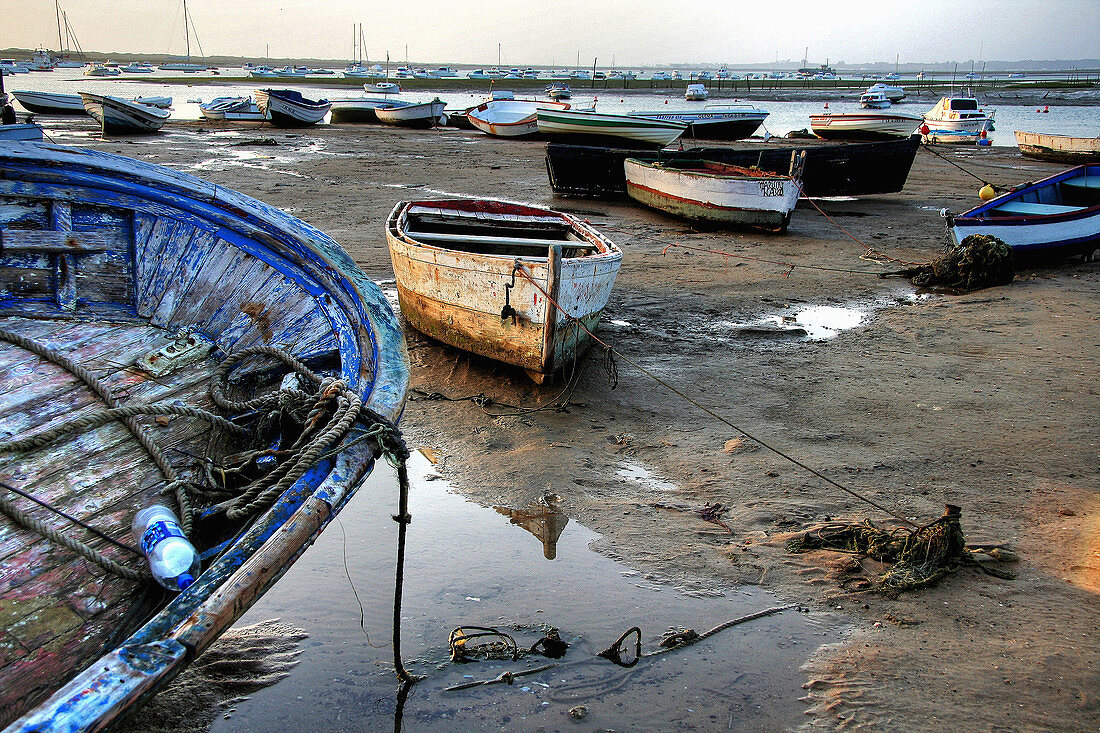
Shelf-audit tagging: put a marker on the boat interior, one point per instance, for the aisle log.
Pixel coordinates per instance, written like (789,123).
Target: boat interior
(479,232)
(1075,193)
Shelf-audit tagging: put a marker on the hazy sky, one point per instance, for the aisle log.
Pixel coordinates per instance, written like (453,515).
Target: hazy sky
(545,32)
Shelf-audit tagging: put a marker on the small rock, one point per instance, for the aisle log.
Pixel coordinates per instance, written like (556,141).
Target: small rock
(579,713)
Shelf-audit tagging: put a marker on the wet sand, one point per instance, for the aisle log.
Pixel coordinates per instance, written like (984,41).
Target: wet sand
(987,400)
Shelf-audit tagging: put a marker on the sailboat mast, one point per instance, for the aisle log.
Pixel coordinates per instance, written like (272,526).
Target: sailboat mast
(60,42)
(186,30)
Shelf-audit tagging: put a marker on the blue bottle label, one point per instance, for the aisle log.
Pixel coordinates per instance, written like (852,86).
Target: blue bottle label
(158,531)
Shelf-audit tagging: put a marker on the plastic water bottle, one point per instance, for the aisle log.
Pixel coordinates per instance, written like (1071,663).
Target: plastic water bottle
(172,558)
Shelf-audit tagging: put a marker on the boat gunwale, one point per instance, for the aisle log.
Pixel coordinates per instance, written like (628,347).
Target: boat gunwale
(974,215)
(670,166)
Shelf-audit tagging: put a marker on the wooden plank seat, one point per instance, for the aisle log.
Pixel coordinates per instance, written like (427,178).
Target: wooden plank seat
(1024,208)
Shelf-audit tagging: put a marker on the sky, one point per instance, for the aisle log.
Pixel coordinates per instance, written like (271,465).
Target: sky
(628,33)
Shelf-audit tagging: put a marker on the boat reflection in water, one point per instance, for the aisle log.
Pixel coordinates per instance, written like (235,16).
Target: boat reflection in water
(546,523)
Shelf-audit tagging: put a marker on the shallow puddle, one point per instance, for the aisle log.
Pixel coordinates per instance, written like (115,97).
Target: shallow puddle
(518,570)
(638,474)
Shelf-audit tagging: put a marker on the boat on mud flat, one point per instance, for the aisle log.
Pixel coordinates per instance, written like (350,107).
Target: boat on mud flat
(832,169)
(288,108)
(410,114)
(520,284)
(117,116)
(721,193)
(584,126)
(1057,216)
(715,121)
(50,103)
(509,117)
(360,109)
(1059,148)
(129,285)
(956,118)
(232,109)
(866,125)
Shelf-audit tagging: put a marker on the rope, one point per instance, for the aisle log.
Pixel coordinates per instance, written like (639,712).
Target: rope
(715,415)
(975,176)
(108,397)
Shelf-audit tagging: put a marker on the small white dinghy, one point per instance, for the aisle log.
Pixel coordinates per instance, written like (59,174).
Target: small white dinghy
(509,117)
(717,192)
(425,114)
(288,108)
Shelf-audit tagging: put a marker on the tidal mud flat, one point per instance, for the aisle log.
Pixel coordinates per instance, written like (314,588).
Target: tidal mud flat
(987,401)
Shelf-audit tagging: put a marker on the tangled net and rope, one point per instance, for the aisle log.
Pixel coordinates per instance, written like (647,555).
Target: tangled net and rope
(921,557)
(979,261)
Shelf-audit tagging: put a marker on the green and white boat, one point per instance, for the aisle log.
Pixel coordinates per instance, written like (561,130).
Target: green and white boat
(610,129)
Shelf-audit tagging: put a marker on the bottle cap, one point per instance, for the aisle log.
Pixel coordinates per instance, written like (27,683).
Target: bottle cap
(184,581)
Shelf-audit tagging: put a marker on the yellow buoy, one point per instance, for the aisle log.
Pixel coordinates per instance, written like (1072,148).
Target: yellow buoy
(986,192)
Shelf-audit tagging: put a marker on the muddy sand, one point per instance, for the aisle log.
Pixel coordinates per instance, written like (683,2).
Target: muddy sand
(987,400)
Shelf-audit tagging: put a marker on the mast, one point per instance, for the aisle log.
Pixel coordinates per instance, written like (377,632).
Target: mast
(60,42)
(186,31)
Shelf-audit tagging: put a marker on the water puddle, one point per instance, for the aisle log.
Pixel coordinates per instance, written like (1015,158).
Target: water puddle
(520,570)
(641,476)
(803,323)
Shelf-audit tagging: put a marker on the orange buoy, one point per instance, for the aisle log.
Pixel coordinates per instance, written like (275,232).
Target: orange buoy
(986,193)
(826,105)
(924,129)
(1046,110)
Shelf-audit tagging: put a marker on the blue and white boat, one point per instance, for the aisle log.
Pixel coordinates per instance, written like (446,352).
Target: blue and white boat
(123,284)
(232,109)
(288,108)
(1057,216)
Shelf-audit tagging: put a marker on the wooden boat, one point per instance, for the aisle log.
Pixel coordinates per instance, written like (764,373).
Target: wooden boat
(1057,216)
(422,115)
(117,116)
(510,117)
(1059,148)
(714,121)
(483,276)
(716,192)
(232,109)
(288,108)
(866,125)
(151,279)
(625,130)
(50,103)
(21,131)
(843,169)
(360,109)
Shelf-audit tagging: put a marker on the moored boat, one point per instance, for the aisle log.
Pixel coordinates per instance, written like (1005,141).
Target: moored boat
(559,91)
(515,283)
(865,125)
(510,117)
(696,93)
(232,109)
(893,93)
(421,115)
(838,169)
(874,100)
(50,103)
(157,282)
(958,116)
(733,121)
(716,192)
(117,116)
(623,130)
(1056,216)
(382,87)
(1059,148)
(359,109)
(288,108)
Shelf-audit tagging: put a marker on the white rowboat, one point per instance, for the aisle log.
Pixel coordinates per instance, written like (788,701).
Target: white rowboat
(624,130)
(118,116)
(509,117)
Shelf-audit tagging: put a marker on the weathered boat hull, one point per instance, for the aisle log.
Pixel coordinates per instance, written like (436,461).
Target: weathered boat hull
(457,296)
(623,130)
(288,108)
(232,109)
(358,111)
(714,193)
(864,125)
(509,118)
(122,117)
(109,258)
(713,124)
(1057,216)
(1059,148)
(851,169)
